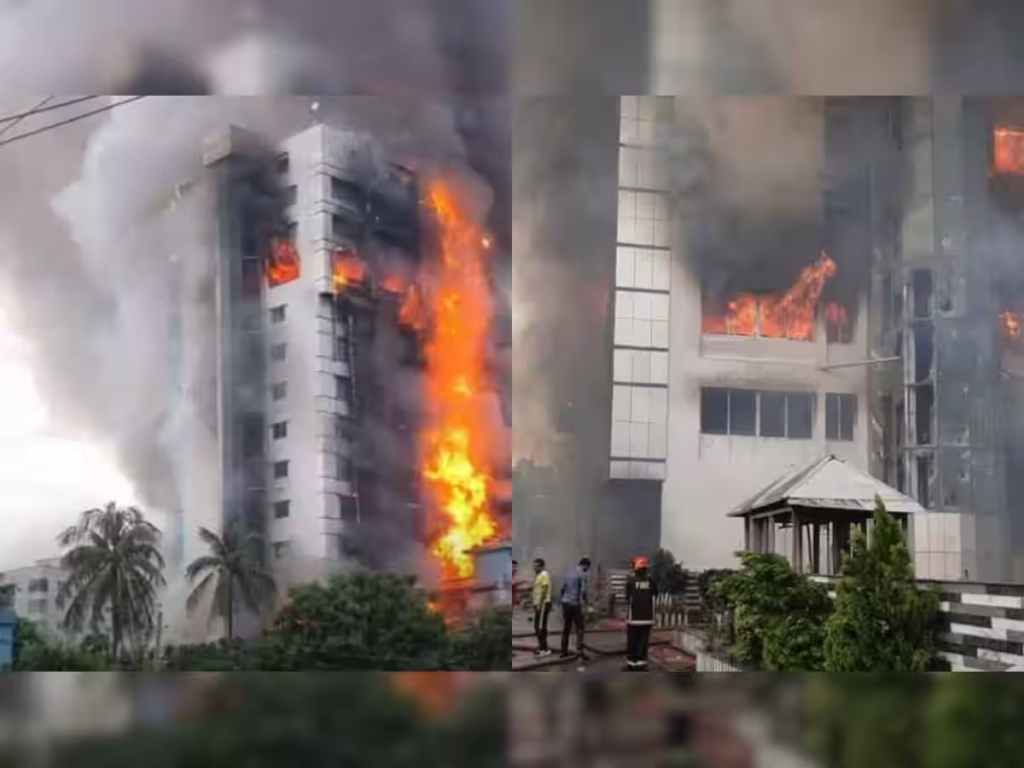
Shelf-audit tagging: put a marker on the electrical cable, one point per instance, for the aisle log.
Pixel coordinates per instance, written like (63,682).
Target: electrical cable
(74,119)
(41,107)
(12,122)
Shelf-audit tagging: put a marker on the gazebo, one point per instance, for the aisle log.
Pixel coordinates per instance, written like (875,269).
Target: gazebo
(811,511)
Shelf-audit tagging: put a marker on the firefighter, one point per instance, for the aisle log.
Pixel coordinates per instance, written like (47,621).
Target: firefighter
(641,592)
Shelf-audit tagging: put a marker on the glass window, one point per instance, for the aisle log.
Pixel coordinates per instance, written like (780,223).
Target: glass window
(773,414)
(341,349)
(714,411)
(840,416)
(280,469)
(341,388)
(280,430)
(281,509)
(799,416)
(277,314)
(278,352)
(36,607)
(38,585)
(279,391)
(742,412)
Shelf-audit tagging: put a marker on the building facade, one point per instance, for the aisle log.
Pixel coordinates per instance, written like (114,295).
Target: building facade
(33,591)
(720,390)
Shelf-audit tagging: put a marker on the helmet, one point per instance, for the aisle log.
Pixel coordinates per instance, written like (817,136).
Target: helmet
(640,562)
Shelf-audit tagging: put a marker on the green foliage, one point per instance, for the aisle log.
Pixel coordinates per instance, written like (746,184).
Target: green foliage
(779,615)
(115,569)
(230,571)
(35,651)
(668,574)
(358,621)
(486,644)
(882,621)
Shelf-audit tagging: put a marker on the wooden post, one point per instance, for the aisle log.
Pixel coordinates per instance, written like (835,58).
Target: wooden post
(747,543)
(816,549)
(798,542)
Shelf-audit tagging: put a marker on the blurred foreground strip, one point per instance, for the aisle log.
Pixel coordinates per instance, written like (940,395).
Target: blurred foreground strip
(343,719)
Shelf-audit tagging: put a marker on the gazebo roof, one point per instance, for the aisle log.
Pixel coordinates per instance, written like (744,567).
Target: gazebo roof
(829,483)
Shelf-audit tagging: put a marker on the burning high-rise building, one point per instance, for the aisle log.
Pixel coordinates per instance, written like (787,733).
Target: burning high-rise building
(347,389)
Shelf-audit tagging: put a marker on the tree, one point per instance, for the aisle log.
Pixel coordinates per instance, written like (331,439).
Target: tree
(667,573)
(231,569)
(358,621)
(882,621)
(486,644)
(35,652)
(115,569)
(779,614)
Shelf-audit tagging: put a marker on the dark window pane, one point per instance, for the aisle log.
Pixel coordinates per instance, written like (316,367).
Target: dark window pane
(349,509)
(281,509)
(832,416)
(799,416)
(280,469)
(291,195)
(921,285)
(714,411)
(742,412)
(773,414)
(280,430)
(278,352)
(847,416)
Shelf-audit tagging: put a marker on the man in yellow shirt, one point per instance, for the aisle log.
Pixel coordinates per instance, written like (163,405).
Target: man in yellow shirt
(541,606)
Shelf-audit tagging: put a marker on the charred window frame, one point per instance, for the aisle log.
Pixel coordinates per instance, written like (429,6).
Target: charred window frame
(840,416)
(728,411)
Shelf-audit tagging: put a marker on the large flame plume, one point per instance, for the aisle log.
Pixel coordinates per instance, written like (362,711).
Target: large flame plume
(347,269)
(787,316)
(459,434)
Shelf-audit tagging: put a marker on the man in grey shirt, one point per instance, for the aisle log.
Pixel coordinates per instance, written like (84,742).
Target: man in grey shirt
(574,601)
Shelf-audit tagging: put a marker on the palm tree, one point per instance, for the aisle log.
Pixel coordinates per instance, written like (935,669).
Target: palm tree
(230,569)
(114,570)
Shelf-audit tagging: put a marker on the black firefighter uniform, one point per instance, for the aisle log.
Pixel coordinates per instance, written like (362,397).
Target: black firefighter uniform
(641,592)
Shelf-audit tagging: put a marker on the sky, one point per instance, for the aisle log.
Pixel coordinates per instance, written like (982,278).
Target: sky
(47,477)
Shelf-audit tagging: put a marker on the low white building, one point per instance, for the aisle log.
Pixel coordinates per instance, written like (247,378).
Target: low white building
(35,591)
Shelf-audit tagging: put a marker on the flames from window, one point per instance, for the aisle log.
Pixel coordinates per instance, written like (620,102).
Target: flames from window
(1009,324)
(348,269)
(789,315)
(1008,151)
(283,264)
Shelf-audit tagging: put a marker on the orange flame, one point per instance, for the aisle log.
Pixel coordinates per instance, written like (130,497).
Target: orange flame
(1010,323)
(435,693)
(413,312)
(789,316)
(459,432)
(283,263)
(348,269)
(1008,151)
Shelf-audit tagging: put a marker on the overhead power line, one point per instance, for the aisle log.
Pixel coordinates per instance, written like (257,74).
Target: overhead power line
(13,122)
(70,120)
(40,107)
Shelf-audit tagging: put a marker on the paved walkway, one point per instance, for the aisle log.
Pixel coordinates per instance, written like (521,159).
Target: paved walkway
(606,643)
